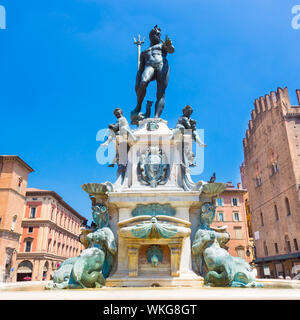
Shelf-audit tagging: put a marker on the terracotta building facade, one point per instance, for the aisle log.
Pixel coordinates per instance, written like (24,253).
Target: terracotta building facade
(271,174)
(231,212)
(13,182)
(50,234)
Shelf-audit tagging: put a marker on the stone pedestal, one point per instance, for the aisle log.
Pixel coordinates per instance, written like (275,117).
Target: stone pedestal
(138,199)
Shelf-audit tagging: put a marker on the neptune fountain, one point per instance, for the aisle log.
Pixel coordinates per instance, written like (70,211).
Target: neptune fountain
(143,222)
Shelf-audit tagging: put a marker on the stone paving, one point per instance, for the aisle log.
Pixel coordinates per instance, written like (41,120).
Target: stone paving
(33,292)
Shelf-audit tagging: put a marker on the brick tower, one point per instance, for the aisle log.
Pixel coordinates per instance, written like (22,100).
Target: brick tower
(271,173)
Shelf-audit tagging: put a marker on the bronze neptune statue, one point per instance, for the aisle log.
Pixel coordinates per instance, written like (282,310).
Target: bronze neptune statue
(153,66)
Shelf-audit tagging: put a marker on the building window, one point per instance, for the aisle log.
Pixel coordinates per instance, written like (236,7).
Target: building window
(288,245)
(220,216)
(287,206)
(19,184)
(236,216)
(274,167)
(261,219)
(295,244)
(28,246)
(234,202)
(276,247)
(266,270)
(30,229)
(240,252)
(49,245)
(276,213)
(238,232)
(13,223)
(220,202)
(32,212)
(52,211)
(258,181)
(265,248)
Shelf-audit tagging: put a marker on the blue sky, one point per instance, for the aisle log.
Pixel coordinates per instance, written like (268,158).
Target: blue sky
(66,64)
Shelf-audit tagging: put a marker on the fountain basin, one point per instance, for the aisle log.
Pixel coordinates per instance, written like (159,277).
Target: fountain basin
(273,289)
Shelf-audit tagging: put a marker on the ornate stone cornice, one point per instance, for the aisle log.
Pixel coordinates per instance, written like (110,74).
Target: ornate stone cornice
(39,256)
(37,222)
(14,191)
(18,159)
(9,235)
(32,193)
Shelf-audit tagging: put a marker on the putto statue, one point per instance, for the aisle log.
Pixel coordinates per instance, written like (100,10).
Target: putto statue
(153,66)
(187,125)
(120,128)
(219,267)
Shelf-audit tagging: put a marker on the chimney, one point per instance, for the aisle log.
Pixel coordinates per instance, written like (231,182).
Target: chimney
(229,184)
(239,186)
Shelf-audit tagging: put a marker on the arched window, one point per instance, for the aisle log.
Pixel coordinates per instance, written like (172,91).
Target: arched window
(13,223)
(287,206)
(261,219)
(276,212)
(19,184)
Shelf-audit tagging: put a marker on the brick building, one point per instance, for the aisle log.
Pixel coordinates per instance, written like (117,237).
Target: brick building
(50,234)
(13,182)
(271,174)
(231,212)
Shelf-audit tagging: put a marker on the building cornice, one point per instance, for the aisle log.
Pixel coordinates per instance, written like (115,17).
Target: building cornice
(39,255)
(17,159)
(292,115)
(9,235)
(227,190)
(278,257)
(38,222)
(32,193)
(14,191)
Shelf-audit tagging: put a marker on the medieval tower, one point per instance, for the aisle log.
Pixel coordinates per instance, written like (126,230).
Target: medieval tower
(271,173)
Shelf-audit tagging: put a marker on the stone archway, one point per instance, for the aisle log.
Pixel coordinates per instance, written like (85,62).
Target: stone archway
(24,272)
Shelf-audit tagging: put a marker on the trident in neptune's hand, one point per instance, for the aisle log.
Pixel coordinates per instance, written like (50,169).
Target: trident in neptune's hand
(138,42)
